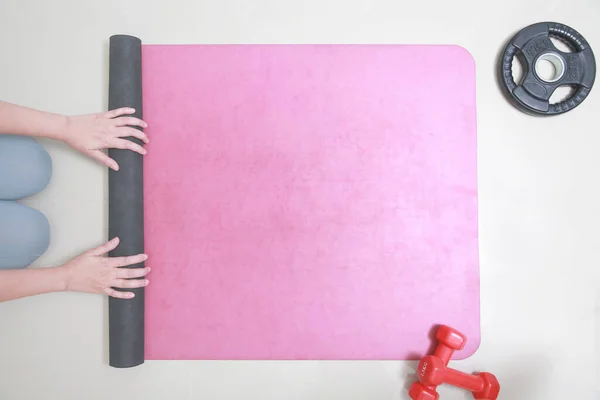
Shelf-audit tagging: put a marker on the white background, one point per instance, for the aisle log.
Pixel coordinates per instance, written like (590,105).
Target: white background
(539,200)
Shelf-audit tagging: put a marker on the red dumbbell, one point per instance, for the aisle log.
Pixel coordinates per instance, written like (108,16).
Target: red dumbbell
(449,340)
(433,372)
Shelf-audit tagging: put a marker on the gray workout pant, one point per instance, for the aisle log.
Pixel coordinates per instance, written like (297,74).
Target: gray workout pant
(25,169)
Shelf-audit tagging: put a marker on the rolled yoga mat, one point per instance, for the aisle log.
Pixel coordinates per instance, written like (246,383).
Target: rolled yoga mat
(126,203)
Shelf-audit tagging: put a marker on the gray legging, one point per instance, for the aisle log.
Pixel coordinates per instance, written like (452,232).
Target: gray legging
(25,169)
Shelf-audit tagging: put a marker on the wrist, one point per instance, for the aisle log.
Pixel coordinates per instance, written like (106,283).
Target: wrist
(61,278)
(59,127)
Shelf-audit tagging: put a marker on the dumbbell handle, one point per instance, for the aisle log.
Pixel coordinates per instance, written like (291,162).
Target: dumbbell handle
(432,372)
(444,353)
(470,382)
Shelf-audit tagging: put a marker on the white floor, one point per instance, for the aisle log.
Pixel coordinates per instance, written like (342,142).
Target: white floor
(539,200)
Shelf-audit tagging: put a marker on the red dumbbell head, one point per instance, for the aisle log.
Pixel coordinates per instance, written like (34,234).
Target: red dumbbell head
(451,337)
(420,392)
(431,371)
(491,387)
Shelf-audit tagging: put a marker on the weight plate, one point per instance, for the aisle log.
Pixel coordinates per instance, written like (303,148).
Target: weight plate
(532,45)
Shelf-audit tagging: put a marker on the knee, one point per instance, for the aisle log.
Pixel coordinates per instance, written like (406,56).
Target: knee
(24,238)
(38,170)
(26,167)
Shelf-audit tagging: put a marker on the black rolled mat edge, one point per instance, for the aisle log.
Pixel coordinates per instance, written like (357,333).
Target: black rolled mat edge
(126,203)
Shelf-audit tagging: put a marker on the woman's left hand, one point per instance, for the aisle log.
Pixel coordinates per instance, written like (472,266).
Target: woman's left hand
(92,133)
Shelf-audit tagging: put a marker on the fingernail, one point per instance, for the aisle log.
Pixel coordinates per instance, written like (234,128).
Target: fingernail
(146,282)
(115,167)
(145,256)
(148,269)
(131,295)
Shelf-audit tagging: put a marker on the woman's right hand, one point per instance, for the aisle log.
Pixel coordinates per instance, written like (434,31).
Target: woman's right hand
(92,272)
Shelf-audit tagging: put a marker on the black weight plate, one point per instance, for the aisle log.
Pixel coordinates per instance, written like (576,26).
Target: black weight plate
(532,44)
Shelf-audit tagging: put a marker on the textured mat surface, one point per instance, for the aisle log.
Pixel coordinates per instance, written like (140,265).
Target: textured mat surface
(309,202)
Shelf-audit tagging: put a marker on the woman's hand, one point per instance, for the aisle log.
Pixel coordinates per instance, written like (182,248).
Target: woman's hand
(91,133)
(92,272)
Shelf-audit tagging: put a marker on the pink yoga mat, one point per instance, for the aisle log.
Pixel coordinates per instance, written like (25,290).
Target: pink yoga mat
(309,201)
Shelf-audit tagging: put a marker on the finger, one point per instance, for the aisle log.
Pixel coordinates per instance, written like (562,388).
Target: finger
(125,131)
(130,121)
(118,112)
(130,283)
(129,273)
(130,260)
(98,155)
(128,145)
(119,295)
(106,247)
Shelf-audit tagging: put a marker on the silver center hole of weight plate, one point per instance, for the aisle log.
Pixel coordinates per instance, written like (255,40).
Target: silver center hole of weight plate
(550,67)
